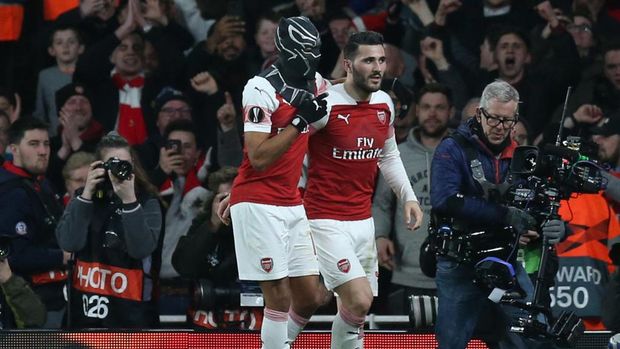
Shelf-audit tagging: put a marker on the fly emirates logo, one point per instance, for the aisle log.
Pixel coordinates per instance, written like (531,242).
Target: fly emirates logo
(364,151)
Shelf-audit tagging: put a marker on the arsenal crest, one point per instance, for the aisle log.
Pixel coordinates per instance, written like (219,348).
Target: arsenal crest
(344,265)
(266,264)
(381,116)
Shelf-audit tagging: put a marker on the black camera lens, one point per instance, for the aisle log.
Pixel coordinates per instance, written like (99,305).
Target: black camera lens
(121,169)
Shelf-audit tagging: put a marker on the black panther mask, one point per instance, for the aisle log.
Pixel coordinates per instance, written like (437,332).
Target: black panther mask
(299,44)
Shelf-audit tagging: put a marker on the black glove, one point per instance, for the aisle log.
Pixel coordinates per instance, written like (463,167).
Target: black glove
(309,111)
(554,230)
(520,220)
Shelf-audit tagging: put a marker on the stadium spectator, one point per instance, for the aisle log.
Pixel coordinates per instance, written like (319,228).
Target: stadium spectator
(398,249)
(65,46)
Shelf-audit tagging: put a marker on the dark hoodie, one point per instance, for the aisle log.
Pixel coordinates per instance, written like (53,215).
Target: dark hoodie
(451,175)
(34,251)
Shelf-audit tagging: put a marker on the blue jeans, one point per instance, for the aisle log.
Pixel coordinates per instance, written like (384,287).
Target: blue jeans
(461,303)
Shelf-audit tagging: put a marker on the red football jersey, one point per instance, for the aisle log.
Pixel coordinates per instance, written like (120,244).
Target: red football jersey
(264,110)
(343,155)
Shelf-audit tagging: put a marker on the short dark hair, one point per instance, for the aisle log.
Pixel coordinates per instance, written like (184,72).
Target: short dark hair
(358,39)
(505,30)
(225,174)
(62,27)
(434,88)
(613,45)
(183,125)
(20,126)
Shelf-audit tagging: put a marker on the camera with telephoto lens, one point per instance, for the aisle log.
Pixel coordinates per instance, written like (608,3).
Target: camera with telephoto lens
(121,169)
(208,295)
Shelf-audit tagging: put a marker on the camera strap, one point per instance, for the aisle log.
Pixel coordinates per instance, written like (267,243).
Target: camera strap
(491,192)
(52,209)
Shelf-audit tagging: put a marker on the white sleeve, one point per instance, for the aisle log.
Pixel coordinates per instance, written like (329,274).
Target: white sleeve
(259,102)
(393,171)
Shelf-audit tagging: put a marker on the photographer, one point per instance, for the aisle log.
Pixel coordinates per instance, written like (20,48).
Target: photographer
(468,173)
(20,307)
(113,226)
(207,254)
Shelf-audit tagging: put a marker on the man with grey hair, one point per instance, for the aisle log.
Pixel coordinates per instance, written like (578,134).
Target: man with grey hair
(468,175)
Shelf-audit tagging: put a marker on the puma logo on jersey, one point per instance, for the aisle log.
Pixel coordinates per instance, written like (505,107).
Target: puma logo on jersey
(344,117)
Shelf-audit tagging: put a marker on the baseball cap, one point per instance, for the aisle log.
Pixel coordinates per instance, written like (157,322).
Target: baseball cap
(166,95)
(609,127)
(70,90)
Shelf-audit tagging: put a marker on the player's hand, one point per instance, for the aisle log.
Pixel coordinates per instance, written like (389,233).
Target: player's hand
(223,210)
(412,208)
(385,252)
(309,111)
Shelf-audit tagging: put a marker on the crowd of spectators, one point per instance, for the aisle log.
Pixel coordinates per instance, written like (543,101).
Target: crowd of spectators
(168,75)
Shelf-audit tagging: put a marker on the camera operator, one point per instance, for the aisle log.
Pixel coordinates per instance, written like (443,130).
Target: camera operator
(207,255)
(113,226)
(20,307)
(468,174)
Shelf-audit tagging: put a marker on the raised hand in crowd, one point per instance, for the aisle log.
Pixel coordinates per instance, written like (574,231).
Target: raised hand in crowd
(585,114)
(17,110)
(133,20)
(421,9)
(432,49)
(70,135)
(225,27)
(156,13)
(226,114)
(90,8)
(546,11)
(445,8)
(205,83)
(170,160)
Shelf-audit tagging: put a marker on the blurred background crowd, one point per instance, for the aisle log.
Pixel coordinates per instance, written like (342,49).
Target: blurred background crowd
(167,76)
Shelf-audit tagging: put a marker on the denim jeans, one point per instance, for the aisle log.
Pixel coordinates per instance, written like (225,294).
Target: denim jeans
(461,303)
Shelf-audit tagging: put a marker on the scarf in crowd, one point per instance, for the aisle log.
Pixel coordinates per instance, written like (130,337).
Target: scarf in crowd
(130,123)
(191,181)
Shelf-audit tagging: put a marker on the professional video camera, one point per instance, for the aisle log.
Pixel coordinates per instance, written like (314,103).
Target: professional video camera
(544,177)
(562,167)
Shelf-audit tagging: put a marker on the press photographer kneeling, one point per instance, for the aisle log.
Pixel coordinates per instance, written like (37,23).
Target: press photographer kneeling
(113,226)
(207,255)
(478,232)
